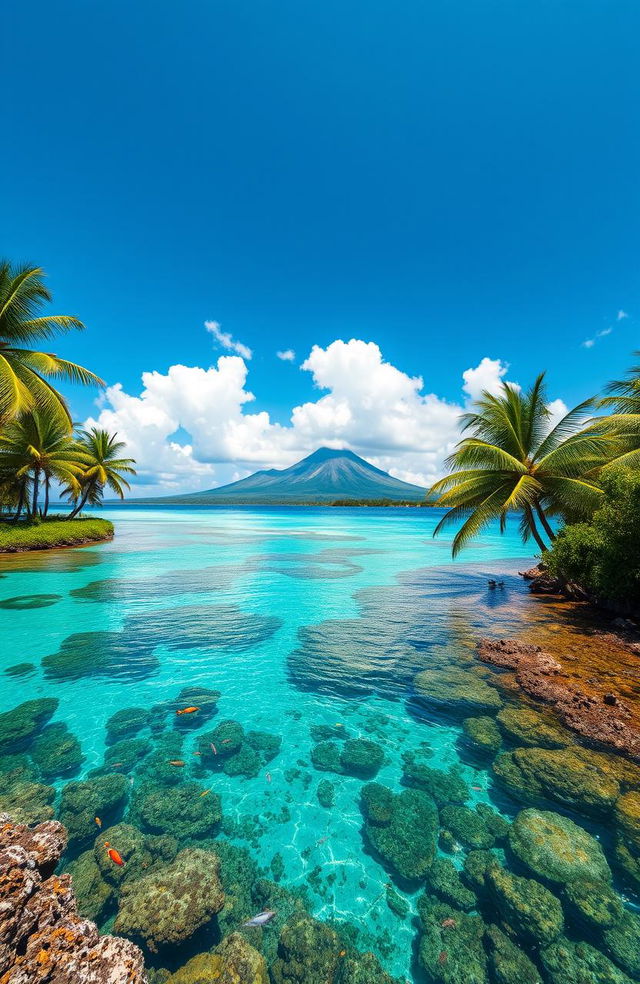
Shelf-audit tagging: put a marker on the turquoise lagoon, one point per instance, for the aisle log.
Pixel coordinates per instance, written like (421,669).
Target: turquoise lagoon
(299,618)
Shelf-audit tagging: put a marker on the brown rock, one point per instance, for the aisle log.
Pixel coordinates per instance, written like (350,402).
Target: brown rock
(42,938)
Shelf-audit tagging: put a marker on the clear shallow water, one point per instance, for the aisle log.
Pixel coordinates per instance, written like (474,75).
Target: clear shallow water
(299,617)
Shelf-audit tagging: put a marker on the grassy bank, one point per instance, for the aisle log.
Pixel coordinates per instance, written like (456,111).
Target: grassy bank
(52,533)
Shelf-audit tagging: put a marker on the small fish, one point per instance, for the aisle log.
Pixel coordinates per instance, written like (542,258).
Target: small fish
(205,792)
(261,919)
(477,788)
(443,956)
(339,725)
(117,765)
(188,710)
(214,749)
(197,753)
(225,741)
(179,764)
(342,953)
(114,855)
(98,822)
(268,777)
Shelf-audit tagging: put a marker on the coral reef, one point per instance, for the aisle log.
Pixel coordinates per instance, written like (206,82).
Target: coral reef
(483,734)
(56,751)
(566,962)
(103,797)
(181,811)
(20,725)
(443,787)
(361,758)
(325,793)
(166,907)
(529,909)
(451,950)
(456,691)
(126,723)
(406,841)
(28,802)
(556,849)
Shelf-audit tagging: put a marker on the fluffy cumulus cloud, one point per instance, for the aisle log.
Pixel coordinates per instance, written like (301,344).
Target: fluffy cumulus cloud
(195,428)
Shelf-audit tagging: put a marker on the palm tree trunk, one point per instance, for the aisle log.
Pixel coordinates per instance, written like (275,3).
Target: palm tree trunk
(20,505)
(45,509)
(534,530)
(81,504)
(36,489)
(545,522)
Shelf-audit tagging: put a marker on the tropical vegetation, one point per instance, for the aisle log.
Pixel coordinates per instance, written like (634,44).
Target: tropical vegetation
(55,532)
(514,459)
(40,448)
(602,555)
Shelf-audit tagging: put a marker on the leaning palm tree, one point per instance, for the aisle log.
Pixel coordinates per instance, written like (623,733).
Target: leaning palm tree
(624,421)
(26,375)
(515,461)
(41,449)
(103,468)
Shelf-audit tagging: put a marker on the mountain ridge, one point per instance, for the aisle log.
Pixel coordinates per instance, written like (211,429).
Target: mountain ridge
(325,475)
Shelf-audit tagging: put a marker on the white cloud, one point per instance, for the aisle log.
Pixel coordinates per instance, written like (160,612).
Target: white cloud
(227,341)
(488,376)
(288,355)
(621,315)
(366,404)
(590,342)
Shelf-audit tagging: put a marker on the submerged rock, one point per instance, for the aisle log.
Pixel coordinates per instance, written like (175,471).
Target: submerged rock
(326,793)
(483,734)
(140,853)
(19,726)
(28,802)
(181,811)
(166,907)
(406,841)
(43,940)
(507,962)
(556,849)
(591,905)
(565,776)
(325,757)
(532,912)
(622,943)
(81,802)
(457,691)
(566,962)
(126,723)
(234,961)
(524,726)
(451,947)
(361,757)
(443,787)
(126,754)
(56,751)
(473,829)
(92,892)
(627,818)
(443,880)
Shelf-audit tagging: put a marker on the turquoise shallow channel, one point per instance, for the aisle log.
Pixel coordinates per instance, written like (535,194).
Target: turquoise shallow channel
(326,649)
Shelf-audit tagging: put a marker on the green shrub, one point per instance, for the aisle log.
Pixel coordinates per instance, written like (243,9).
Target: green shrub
(603,555)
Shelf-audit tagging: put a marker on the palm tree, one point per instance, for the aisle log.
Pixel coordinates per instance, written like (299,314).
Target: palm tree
(514,462)
(25,374)
(624,398)
(103,468)
(39,448)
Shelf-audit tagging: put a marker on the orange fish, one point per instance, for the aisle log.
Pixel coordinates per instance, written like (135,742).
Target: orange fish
(179,764)
(342,953)
(188,710)
(214,749)
(205,792)
(114,855)
(97,821)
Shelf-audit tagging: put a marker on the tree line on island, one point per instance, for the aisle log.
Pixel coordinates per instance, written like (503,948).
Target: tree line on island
(39,443)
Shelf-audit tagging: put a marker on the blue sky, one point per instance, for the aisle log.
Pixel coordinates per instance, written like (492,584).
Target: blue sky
(450,181)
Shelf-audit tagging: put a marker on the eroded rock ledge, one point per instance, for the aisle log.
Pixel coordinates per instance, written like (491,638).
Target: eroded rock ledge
(43,940)
(602,720)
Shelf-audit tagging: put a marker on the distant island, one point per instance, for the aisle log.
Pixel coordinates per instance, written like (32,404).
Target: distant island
(326,477)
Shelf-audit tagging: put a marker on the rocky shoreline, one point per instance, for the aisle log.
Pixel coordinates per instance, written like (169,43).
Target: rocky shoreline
(42,936)
(604,720)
